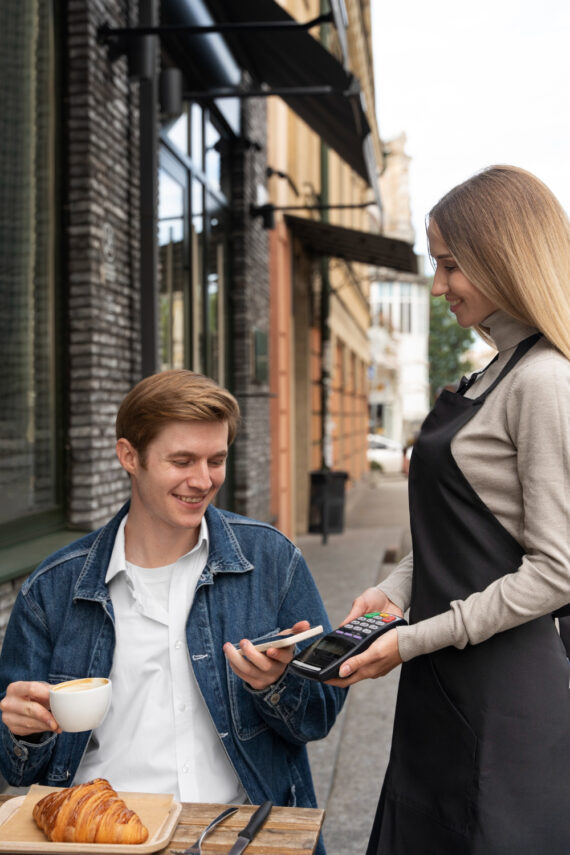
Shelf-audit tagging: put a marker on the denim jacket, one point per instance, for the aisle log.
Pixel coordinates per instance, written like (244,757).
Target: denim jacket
(255,583)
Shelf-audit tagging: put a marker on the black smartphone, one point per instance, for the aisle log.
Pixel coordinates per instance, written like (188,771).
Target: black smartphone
(322,659)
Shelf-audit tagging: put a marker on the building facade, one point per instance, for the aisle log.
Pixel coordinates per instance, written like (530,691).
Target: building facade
(399,305)
(138,148)
(326,240)
(128,248)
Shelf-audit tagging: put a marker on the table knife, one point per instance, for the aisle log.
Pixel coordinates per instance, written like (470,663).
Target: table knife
(247,834)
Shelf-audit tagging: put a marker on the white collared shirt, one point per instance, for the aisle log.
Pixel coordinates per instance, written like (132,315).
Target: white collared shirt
(158,735)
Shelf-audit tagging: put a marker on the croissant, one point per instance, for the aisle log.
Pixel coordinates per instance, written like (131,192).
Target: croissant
(88,813)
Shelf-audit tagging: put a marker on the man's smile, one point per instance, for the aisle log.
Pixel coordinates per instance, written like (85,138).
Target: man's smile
(190,500)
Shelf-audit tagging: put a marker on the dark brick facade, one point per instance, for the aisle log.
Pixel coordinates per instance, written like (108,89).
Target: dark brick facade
(250,311)
(101,201)
(103,243)
(100,272)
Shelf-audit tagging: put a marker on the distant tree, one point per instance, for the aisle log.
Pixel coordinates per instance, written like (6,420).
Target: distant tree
(447,345)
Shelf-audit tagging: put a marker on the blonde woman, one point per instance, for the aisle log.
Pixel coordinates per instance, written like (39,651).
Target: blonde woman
(481,746)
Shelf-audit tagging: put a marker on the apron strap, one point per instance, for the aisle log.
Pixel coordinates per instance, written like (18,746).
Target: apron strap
(523,347)
(466,382)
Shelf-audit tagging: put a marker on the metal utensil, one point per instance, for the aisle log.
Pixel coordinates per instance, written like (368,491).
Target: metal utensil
(247,834)
(196,848)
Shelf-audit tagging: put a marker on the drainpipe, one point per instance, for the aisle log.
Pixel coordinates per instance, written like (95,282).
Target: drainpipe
(148,125)
(326,439)
(326,361)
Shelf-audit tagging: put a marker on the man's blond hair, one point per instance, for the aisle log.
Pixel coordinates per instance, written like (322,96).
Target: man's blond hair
(176,395)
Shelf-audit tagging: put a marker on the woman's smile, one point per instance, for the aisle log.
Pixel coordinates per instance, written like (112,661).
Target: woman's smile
(469,305)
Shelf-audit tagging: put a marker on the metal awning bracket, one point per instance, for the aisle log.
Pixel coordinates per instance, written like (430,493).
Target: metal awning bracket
(263,92)
(322,91)
(117,37)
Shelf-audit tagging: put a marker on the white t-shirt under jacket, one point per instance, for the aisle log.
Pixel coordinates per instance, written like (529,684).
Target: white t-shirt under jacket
(158,735)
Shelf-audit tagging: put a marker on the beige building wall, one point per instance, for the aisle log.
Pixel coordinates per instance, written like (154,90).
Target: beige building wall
(395,188)
(296,287)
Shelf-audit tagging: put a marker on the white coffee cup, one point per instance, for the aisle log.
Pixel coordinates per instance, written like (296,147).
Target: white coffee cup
(79,705)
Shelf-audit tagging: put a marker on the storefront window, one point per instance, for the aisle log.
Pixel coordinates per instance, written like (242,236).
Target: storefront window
(215,278)
(196,136)
(177,131)
(213,160)
(197,256)
(174,272)
(29,458)
(193,239)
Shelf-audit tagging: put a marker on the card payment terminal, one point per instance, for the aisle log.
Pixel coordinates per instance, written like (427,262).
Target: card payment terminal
(322,659)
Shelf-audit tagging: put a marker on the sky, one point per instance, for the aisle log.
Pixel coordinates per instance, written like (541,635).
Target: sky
(472,84)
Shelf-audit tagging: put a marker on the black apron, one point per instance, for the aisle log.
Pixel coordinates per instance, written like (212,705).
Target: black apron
(480,758)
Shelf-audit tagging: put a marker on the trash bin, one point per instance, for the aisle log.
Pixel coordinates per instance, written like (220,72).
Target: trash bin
(326,507)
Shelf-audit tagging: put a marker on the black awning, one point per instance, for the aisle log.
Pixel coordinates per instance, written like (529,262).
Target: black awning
(296,58)
(289,58)
(353,245)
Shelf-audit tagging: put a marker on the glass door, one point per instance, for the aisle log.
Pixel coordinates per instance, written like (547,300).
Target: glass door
(193,235)
(173,264)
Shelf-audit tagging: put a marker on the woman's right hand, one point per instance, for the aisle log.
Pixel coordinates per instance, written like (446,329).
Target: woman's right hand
(25,709)
(372,600)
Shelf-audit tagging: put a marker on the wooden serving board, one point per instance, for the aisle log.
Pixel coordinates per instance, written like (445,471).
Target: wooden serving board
(19,832)
(287,831)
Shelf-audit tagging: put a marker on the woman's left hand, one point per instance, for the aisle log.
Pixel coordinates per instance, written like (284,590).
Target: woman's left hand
(376,661)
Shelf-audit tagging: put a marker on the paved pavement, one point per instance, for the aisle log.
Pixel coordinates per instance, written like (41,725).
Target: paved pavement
(348,766)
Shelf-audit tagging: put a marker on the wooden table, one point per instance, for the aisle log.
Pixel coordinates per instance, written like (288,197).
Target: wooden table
(287,831)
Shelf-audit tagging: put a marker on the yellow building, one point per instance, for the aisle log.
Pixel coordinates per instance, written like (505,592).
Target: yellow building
(326,236)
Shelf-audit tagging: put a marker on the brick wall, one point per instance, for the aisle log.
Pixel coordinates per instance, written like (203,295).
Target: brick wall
(101,233)
(8,592)
(249,248)
(99,262)
(100,269)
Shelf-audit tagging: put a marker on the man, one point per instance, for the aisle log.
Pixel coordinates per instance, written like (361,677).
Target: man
(156,600)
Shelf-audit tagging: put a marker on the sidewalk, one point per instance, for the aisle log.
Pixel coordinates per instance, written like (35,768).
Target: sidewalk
(348,766)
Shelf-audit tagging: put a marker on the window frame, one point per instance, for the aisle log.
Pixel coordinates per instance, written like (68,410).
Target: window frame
(198,354)
(17,536)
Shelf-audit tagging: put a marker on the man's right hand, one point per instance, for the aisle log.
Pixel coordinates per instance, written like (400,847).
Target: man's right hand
(25,709)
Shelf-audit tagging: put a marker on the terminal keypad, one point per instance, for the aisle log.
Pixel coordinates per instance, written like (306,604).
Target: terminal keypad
(367,624)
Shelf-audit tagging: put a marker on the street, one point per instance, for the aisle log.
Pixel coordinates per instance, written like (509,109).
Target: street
(348,766)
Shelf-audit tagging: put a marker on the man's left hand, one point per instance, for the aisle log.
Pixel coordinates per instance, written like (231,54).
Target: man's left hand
(262,669)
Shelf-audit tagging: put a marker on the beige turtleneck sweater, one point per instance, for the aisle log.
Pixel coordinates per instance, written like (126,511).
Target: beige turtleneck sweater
(515,453)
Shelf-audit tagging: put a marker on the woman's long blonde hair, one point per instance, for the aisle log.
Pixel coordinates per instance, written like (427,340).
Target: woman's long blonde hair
(511,238)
